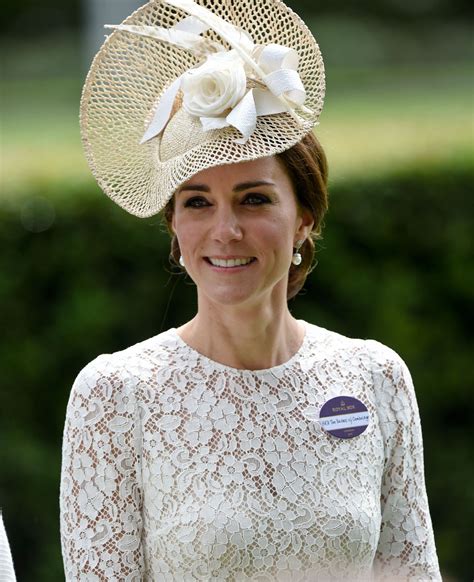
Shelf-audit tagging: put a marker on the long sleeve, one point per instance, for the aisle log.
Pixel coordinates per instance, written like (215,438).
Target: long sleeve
(406,548)
(101,494)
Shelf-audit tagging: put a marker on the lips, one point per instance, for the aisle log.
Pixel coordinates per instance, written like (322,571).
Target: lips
(230,263)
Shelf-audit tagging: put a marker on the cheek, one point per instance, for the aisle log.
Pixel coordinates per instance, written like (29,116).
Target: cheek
(187,233)
(277,236)
(285,226)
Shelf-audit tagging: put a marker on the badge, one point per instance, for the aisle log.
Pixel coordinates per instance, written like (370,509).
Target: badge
(344,417)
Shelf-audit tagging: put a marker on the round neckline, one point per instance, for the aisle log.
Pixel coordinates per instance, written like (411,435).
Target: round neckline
(260,371)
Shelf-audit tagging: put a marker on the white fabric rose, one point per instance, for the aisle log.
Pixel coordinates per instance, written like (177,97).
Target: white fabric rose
(216,86)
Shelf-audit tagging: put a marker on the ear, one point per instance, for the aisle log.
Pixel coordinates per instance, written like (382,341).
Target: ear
(305,224)
(173,223)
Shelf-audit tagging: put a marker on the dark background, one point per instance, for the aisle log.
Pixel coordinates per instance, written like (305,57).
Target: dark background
(79,277)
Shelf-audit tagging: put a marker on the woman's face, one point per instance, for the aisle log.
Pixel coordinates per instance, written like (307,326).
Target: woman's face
(236,226)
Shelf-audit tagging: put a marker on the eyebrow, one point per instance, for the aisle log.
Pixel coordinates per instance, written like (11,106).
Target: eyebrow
(238,188)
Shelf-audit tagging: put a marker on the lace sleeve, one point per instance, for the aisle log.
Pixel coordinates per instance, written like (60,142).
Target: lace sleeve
(100,497)
(406,548)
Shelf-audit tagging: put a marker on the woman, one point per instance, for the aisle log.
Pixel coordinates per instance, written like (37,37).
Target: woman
(245,445)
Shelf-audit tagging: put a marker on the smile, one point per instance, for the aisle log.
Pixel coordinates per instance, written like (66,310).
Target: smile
(230,263)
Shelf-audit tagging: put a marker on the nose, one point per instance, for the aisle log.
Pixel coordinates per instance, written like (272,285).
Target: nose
(226,227)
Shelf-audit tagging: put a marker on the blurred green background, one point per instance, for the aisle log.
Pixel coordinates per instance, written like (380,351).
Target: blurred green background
(79,276)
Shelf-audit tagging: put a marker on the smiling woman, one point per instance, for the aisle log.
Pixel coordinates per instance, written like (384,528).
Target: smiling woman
(256,221)
(246,444)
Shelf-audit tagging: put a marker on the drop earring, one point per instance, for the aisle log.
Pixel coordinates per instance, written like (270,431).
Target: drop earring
(297,258)
(181,261)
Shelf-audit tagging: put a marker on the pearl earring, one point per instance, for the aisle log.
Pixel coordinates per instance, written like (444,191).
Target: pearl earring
(181,261)
(297,258)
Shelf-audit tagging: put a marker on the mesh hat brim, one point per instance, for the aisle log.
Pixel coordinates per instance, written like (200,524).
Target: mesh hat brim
(130,73)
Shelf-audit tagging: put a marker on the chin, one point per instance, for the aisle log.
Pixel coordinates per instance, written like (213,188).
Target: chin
(231,294)
(245,293)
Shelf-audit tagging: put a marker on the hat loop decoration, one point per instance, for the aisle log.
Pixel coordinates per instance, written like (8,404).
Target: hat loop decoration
(185,85)
(217,91)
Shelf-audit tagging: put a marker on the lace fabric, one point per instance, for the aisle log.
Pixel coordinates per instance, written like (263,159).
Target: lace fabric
(178,468)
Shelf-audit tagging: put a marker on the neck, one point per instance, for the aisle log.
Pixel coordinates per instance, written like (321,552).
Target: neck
(249,338)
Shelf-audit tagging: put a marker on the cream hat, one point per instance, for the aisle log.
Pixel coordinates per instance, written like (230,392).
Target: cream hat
(178,88)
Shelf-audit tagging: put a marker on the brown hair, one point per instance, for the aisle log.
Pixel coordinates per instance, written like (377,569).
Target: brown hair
(307,168)
(306,165)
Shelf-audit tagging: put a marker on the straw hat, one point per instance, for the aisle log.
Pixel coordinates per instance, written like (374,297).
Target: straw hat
(178,88)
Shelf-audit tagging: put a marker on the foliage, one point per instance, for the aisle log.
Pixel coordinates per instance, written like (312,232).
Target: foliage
(21,17)
(81,277)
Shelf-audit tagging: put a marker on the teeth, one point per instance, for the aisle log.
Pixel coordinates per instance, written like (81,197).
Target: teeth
(229,262)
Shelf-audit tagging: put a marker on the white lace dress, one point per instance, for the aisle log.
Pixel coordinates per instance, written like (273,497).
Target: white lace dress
(178,468)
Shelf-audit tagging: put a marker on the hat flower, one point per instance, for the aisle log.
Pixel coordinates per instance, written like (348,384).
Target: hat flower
(215,87)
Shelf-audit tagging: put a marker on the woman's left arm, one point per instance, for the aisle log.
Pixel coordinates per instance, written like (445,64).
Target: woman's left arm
(406,548)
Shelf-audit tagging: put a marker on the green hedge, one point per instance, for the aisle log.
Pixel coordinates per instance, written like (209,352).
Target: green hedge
(80,277)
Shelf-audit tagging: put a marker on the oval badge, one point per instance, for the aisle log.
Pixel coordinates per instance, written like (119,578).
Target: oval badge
(344,417)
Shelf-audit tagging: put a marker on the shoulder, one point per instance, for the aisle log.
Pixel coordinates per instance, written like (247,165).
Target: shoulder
(124,371)
(372,354)
(322,338)
(372,362)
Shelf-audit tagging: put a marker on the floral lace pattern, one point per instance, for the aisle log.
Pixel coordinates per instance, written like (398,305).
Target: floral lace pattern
(178,468)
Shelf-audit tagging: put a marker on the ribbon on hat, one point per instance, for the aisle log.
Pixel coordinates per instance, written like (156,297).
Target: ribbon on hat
(184,34)
(217,90)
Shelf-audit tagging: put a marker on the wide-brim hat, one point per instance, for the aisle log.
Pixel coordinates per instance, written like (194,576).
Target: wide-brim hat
(142,133)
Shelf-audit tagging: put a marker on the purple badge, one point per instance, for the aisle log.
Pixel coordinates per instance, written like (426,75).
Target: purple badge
(344,417)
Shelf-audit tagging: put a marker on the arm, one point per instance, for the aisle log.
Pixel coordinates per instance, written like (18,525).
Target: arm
(100,497)
(406,548)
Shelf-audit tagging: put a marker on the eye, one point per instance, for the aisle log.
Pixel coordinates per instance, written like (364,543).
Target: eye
(196,202)
(256,199)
